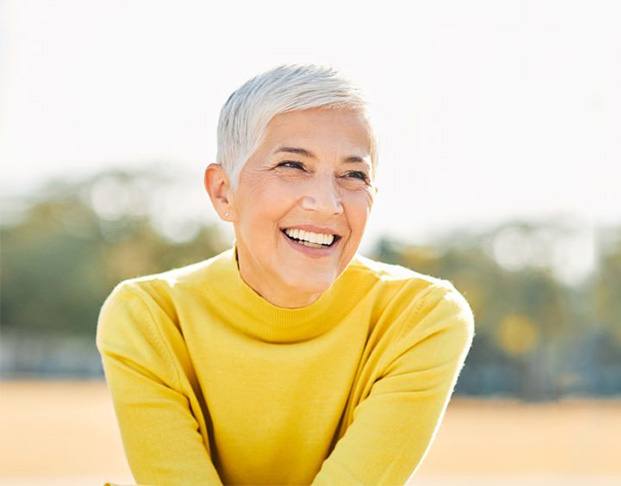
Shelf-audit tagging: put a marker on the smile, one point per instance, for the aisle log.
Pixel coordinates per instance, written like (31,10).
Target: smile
(314,240)
(309,248)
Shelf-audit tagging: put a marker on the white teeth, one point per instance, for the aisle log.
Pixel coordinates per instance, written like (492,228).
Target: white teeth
(318,238)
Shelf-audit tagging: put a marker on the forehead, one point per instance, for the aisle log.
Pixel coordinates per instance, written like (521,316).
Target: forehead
(339,128)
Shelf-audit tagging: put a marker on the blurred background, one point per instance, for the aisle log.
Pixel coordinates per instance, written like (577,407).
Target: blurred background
(499,127)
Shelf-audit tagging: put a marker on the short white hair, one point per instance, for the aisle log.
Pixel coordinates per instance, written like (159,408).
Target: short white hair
(248,110)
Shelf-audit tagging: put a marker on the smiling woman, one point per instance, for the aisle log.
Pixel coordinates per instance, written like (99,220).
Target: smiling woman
(310,172)
(289,358)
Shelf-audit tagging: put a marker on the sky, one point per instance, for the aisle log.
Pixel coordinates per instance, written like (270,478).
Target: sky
(484,110)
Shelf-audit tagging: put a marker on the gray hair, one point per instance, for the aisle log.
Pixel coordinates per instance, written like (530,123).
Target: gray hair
(248,110)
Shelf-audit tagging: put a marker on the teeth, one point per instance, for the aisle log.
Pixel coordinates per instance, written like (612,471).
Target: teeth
(318,238)
(312,245)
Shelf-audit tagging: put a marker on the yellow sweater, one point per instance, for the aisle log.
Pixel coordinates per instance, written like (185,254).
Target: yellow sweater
(213,384)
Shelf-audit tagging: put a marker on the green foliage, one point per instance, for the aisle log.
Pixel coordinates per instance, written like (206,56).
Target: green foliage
(540,331)
(607,287)
(530,323)
(61,260)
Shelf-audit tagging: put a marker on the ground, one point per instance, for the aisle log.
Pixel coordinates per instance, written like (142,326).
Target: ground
(65,433)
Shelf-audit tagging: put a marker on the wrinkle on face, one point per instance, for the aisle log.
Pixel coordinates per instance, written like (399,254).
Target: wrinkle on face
(269,197)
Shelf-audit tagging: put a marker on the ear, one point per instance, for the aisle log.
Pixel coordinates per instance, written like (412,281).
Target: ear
(218,187)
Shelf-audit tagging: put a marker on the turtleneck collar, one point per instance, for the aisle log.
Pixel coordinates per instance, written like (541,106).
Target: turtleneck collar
(271,322)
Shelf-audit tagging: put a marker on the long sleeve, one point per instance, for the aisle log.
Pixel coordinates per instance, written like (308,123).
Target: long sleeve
(159,432)
(394,426)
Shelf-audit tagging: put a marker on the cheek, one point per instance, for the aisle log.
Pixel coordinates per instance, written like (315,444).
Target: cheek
(269,202)
(358,206)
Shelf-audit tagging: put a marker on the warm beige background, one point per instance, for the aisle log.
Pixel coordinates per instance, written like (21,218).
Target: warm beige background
(65,433)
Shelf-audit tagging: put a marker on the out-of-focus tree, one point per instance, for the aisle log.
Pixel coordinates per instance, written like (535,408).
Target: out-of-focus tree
(607,288)
(546,296)
(61,258)
(524,299)
(606,311)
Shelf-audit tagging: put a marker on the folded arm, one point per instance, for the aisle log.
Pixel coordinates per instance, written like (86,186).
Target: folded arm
(159,432)
(394,426)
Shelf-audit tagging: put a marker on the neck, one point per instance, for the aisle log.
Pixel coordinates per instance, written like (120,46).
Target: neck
(278,295)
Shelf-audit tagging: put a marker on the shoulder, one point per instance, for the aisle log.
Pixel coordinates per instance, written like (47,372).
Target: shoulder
(389,272)
(161,287)
(398,281)
(151,301)
(414,297)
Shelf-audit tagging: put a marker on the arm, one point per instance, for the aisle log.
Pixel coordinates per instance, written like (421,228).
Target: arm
(394,426)
(159,432)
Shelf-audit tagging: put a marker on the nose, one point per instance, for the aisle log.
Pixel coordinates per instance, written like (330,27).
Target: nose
(322,196)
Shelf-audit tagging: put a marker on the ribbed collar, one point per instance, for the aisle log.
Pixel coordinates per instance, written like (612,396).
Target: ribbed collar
(269,322)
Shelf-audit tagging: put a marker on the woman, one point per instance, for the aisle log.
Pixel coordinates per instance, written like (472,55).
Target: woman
(289,358)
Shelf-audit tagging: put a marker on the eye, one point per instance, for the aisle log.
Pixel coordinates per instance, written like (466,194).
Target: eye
(294,164)
(359,175)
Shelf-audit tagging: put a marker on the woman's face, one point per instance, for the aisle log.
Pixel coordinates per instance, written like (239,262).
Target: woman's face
(313,168)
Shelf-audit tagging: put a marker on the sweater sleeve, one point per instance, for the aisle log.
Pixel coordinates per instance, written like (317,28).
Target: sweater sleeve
(394,426)
(159,432)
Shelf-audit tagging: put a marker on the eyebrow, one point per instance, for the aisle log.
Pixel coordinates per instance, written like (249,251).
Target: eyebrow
(301,151)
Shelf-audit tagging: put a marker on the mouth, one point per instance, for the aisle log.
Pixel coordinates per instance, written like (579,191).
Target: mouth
(309,244)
